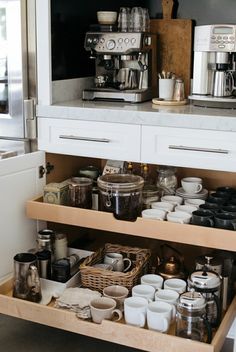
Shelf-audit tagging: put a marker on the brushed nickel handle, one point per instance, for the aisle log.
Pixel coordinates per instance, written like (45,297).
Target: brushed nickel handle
(194,149)
(87,139)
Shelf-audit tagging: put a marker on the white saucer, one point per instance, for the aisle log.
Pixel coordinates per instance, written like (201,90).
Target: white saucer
(200,195)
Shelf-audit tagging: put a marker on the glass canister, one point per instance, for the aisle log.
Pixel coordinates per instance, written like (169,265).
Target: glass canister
(191,322)
(121,194)
(80,192)
(167,180)
(150,195)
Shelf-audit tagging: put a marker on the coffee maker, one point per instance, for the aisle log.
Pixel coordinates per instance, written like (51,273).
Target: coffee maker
(125,68)
(214,71)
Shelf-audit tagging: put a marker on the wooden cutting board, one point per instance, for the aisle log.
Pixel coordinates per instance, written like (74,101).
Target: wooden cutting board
(174,47)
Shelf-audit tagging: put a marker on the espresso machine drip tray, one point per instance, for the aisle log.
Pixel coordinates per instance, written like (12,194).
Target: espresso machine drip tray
(213,102)
(106,94)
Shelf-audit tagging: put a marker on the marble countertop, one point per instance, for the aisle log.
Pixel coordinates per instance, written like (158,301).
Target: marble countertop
(187,116)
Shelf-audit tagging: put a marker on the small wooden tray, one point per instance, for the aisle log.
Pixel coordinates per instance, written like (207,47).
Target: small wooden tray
(158,101)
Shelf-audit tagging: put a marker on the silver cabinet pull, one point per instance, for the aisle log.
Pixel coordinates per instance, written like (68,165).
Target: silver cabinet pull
(195,149)
(87,139)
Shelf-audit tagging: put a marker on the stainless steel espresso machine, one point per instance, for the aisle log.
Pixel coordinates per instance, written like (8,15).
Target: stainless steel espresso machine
(214,72)
(124,66)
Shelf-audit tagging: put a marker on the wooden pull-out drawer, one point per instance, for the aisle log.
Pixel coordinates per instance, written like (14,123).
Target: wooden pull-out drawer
(115,332)
(89,138)
(203,149)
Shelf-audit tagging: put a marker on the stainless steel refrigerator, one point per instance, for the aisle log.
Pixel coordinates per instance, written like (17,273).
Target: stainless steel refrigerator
(20,179)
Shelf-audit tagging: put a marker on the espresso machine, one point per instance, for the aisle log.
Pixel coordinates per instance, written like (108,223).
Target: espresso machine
(125,67)
(214,71)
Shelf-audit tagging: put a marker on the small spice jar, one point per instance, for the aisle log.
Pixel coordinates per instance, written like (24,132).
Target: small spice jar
(80,192)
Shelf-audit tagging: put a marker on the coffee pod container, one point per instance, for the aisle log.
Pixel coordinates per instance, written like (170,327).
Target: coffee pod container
(208,283)
(191,322)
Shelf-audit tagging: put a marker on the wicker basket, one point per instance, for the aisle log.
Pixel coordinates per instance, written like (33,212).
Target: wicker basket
(98,279)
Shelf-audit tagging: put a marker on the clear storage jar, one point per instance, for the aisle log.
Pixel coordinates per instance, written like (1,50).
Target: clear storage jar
(167,180)
(121,194)
(80,192)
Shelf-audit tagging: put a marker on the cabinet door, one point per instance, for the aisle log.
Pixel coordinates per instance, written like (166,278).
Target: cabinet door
(204,149)
(19,181)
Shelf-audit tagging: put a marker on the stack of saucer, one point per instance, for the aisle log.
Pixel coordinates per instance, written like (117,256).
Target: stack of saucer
(203,194)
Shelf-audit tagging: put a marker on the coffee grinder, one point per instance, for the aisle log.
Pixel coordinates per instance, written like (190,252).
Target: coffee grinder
(214,72)
(125,67)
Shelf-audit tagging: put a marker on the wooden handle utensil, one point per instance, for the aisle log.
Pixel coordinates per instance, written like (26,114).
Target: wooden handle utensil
(167,9)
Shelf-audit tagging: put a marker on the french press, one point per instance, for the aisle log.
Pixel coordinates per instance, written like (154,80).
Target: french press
(209,284)
(191,322)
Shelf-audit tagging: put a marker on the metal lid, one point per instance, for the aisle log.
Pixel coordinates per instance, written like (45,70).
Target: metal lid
(123,182)
(191,301)
(205,279)
(80,181)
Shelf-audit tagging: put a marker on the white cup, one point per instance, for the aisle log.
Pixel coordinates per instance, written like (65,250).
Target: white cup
(118,293)
(166,88)
(144,291)
(175,200)
(186,208)
(179,217)
(192,184)
(117,261)
(156,214)
(135,311)
(177,285)
(194,202)
(163,206)
(159,316)
(104,308)
(168,296)
(153,280)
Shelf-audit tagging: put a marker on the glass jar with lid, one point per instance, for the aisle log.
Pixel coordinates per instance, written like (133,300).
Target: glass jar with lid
(166,180)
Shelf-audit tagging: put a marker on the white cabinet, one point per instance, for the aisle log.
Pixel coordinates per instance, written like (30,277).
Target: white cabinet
(89,138)
(19,181)
(202,149)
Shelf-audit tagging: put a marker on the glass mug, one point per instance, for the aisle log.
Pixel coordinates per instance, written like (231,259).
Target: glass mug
(26,284)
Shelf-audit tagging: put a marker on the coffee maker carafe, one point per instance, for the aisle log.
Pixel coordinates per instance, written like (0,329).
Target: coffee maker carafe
(223,80)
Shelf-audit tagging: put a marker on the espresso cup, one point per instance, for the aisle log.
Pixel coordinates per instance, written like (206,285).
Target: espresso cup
(191,185)
(166,206)
(179,217)
(186,208)
(177,285)
(217,198)
(175,200)
(117,261)
(156,214)
(213,207)
(159,316)
(118,293)
(229,208)
(203,218)
(154,280)
(144,291)
(225,221)
(195,202)
(168,296)
(104,308)
(135,311)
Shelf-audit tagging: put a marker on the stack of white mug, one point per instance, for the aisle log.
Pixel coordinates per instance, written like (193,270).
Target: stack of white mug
(153,305)
(171,207)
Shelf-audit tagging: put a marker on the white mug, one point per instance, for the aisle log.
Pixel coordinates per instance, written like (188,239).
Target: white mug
(163,206)
(186,208)
(118,293)
(135,311)
(177,285)
(159,316)
(144,291)
(168,296)
(153,280)
(156,214)
(179,217)
(191,185)
(175,200)
(117,261)
(194,202)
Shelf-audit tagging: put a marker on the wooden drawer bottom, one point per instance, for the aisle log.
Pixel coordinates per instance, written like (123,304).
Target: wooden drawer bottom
(120,333)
